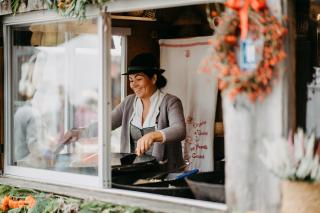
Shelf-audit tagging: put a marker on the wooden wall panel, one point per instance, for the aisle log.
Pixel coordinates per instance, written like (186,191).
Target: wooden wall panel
(250,186)
(141,39)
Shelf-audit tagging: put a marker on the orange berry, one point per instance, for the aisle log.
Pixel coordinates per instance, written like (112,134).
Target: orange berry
(214,13)
(231,39)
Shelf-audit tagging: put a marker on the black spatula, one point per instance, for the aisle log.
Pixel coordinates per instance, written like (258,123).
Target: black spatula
(128,159)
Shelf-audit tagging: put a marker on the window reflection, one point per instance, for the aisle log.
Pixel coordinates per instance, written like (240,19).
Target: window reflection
(54,88)
(116,70)
(116,59)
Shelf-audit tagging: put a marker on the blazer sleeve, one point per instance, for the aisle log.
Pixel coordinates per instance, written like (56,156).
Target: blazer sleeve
(121,110)
(116,116)
(92,129)
(116,120)
(176,131)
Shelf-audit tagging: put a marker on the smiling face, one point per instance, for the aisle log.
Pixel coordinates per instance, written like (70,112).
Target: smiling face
(142,85)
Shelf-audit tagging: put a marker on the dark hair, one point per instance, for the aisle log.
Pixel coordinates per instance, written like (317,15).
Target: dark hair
(161,80)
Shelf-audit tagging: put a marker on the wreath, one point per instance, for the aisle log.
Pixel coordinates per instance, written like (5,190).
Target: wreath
(258,24)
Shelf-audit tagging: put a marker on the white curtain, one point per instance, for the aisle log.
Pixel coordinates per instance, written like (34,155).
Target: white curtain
(181,58)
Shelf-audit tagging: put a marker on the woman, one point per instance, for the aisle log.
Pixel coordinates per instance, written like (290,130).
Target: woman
(152,121)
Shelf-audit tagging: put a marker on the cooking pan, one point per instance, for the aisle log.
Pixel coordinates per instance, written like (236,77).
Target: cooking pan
(140,164)
(208,186)
(177,188)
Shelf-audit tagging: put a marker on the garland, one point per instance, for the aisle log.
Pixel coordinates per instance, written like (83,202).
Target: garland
(73,8)
(259,24)
(66,8)
(15,4)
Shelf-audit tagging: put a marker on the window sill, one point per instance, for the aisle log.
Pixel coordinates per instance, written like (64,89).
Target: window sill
(148,201)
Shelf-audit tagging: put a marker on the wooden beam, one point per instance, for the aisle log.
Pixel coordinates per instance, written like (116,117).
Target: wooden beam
(250,186)
(133,18)
(290,63)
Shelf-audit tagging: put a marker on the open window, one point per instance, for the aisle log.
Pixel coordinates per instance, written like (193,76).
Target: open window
(178,36)
(53,84)
(67,75)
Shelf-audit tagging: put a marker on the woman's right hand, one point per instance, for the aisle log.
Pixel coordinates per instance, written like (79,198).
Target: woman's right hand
(146,141)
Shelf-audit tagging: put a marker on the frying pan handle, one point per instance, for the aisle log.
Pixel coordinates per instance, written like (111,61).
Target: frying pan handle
(187,174)
(61,145)
(71,136)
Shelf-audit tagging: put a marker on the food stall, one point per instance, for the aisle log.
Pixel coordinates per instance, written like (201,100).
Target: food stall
(72,77)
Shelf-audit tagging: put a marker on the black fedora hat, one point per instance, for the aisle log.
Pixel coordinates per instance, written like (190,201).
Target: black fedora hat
(144,62)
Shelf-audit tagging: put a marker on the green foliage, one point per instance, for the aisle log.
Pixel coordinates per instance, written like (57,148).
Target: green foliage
(50,203)
(55,204)
(18,210)
(73,8)
(15,5)
(93,206)
(21,192)
(98,206)
(66,8)
(4,190)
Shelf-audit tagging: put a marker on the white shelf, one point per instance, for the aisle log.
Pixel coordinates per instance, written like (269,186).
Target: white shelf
(133,18)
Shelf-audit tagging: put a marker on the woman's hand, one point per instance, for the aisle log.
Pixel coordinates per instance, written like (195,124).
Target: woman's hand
(72,135)
(145,143)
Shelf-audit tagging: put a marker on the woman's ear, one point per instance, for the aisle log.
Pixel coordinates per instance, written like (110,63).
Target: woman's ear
(154,79)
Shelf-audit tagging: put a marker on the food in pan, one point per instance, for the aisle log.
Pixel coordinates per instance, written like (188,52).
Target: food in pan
(143,181)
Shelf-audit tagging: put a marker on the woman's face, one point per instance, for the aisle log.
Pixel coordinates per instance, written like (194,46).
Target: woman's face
(142,86)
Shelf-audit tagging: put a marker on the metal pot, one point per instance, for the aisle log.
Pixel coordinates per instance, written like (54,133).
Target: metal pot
(208,186)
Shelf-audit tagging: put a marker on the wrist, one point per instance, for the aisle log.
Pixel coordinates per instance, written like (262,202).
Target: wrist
(153,136)
(157,136)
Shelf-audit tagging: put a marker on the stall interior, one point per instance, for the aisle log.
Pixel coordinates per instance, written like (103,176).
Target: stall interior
(179,38)
(53,92)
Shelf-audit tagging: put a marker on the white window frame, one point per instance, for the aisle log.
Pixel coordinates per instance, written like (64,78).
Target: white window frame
(62,178)
(131,5)
(104,177)
(124,33)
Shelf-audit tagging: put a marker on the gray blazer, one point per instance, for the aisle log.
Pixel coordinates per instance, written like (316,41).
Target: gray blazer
(170,121)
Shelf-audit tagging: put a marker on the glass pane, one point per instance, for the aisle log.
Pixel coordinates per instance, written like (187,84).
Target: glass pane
(55,68)
(116,70)
(116,59)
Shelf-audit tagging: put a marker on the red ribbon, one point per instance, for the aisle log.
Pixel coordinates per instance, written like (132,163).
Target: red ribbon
(242,6)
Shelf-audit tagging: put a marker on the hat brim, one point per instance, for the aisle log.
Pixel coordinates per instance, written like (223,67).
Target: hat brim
(137,69)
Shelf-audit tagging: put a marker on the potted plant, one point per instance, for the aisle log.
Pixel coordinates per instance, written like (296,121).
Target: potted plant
(296,161)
